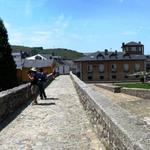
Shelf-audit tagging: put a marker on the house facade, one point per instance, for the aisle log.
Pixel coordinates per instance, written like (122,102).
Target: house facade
(112,66)
(64,67)
(25,64)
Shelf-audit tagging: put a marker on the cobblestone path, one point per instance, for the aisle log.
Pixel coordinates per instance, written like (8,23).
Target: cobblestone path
(58,123)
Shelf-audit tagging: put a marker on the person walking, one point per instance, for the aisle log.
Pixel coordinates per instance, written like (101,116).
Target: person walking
(41,81)
(32,75)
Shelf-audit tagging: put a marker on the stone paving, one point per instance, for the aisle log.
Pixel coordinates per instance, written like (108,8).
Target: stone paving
(58,123)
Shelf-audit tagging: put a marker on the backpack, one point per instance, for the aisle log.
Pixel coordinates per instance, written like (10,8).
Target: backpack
(42,77)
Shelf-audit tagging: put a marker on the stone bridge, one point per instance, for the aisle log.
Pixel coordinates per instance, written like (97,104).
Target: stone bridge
(61,122)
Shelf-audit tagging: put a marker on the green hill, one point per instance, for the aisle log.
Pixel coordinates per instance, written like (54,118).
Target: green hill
(65,53)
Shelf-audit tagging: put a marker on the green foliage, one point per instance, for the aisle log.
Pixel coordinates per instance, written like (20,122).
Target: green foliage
(65,53)
(8,78)
(142,78)
(17,48)
(135,85)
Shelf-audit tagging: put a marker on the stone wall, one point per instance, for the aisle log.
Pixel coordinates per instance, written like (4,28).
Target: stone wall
(12,99)
(115,127)
(110,87)
(143,93)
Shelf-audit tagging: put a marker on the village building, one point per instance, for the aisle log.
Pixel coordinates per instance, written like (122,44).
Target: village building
(112,65)
(25,64)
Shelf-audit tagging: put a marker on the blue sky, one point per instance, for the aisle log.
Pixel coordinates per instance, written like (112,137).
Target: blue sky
(82,25)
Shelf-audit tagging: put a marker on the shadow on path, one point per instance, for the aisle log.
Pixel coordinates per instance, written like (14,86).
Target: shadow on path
(52,98)
(44,104)
(11,116)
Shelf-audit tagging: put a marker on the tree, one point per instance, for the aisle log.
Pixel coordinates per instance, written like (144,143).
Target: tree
(8,77)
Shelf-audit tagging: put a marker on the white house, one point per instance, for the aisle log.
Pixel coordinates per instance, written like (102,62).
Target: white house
(18,60)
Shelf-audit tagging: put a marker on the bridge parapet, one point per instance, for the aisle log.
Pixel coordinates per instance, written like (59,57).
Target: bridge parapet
(13,98)
(116,128)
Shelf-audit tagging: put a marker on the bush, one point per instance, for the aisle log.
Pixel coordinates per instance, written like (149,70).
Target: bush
(142,79)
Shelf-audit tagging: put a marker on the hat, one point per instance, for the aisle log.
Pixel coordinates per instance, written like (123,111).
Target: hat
(33,69)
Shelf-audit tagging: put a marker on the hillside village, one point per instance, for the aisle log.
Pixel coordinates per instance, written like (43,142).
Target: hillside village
(100,66)
(74,75)
(48,62)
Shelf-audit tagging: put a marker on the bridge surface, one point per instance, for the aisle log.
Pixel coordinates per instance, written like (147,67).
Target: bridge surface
(58,123)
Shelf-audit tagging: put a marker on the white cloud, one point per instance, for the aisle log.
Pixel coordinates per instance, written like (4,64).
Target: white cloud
(129,33)
(41,35)
(7,25)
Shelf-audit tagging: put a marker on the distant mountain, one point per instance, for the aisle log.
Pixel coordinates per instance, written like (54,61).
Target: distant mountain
(86,54)
(65,53)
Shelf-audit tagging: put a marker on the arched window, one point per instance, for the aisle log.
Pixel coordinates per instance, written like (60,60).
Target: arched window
(101,67)
(38,57)
(113,67)
(113,55)
(90,68)
(100,56)
(137,67)
(126,67)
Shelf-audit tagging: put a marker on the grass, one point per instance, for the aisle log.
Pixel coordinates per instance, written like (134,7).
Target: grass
(135,85)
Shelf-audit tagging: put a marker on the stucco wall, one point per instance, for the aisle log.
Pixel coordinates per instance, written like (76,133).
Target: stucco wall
(115,127)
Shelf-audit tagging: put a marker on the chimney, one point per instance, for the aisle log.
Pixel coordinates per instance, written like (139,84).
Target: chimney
(106,51)
(123,44)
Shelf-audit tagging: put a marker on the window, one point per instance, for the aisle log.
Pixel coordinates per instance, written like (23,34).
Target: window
(129,48)
(38,57)
(101,77)
(126,76)
(90,68)
(113,76)
(134,48)
(113,67)
(126,67)
(138,49)
(101,68)
(90,77)
(78,67)
(137,67)
(148,66)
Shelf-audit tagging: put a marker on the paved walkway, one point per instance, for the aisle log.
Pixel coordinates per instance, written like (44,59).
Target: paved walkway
(59,123)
